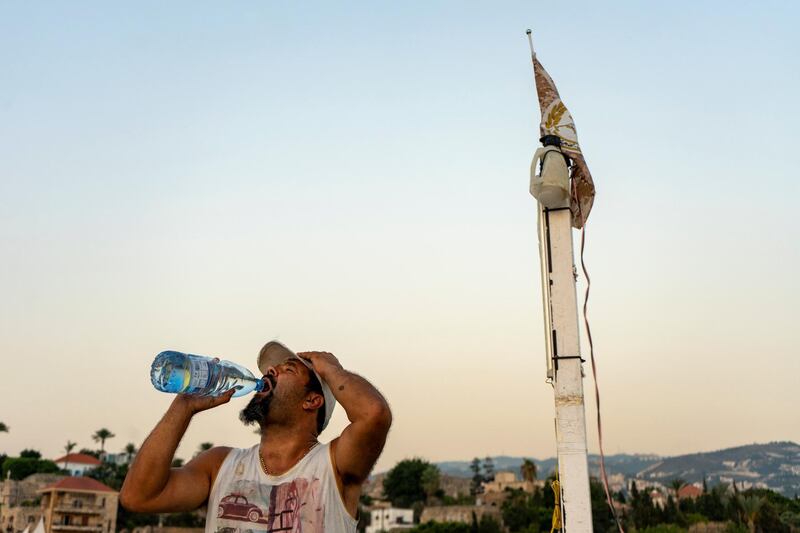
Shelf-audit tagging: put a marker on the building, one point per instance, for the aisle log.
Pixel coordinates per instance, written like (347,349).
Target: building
(20,501)
(79,504)
(689,491)
(507,480)
(459,513)
(77,464)
(495,492)
(118,459)
(390,519)
(658,498)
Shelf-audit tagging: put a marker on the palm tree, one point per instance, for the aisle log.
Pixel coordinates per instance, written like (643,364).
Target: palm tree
(3,428)
(101,435)
(205,446)
(130,449)
(528,470)
(677,484)
(68,447)
(750,505)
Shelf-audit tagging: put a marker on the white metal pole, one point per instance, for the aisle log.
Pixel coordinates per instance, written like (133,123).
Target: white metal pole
(565,366)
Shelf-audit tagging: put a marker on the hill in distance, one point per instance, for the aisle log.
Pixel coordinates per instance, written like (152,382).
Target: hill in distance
(775,465)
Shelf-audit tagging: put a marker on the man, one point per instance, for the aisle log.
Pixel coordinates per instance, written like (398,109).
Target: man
(287,482)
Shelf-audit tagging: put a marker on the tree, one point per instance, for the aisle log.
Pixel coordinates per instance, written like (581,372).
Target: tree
(130,449)
(21,467)
(677,484)
(403,484)
(441,527)
(528,470)
(768,521)
(602,519)
(750,506)
(488,469)
(101,436)
(30,454)
(430,480)
(68,447)
(177,462)
(110,474)
(523,511)
(488,524)
(3,428)
(204,446)
(477,478)
(93,453)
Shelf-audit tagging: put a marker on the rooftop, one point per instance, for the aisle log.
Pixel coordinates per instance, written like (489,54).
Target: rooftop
(78,483)
(80,458)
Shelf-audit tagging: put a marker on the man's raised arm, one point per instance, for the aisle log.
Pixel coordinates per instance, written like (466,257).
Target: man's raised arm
(151,485)
(361,443)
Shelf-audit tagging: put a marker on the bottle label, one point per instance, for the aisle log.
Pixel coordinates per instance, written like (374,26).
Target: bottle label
(198,374)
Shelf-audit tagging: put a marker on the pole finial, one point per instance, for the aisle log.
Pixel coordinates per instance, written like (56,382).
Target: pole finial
(530,42)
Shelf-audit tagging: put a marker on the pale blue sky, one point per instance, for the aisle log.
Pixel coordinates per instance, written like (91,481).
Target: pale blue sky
(204,176)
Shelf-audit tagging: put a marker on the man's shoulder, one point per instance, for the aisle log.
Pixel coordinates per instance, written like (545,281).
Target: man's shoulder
(210,460)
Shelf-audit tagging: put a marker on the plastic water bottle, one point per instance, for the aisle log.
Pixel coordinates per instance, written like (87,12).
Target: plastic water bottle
(178,372)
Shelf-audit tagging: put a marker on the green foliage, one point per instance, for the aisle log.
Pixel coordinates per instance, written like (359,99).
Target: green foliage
(441,527)
(522,510)
(791,519)
(93,453)
(460,499)
(185,519)
(430,481)
(477,477)
(111,474)
(30,454)
(602,518)
(101,436)
(732,527)
(694,518)
(403,485)
(768,521)
(663,528)
(3,428)
(488,469)
(528,470)
(22,467)
(488,524)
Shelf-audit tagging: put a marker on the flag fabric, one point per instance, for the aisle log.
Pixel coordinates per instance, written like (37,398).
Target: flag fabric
(557,120)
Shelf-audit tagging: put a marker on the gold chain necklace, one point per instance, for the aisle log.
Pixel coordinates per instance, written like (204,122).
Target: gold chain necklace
(264,465)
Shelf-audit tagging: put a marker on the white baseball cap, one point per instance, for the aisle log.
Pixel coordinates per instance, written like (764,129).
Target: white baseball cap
(274,353)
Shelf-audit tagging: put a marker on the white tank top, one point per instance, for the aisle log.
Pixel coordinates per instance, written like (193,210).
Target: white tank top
(305,499)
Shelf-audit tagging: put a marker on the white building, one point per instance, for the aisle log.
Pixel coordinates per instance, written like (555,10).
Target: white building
(77,464)
(389,519)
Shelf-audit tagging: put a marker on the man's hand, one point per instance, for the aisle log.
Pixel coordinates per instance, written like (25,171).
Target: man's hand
(193,403)
(323,362)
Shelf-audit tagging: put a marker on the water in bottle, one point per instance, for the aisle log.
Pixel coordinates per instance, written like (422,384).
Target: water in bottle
(178,372)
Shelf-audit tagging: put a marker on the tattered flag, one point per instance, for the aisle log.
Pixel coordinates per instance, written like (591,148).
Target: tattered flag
(557,120)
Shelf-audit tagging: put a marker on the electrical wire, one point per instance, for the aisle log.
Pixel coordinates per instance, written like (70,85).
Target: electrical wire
(594,364)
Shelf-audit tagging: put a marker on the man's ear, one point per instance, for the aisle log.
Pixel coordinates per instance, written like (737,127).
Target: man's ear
(313,400)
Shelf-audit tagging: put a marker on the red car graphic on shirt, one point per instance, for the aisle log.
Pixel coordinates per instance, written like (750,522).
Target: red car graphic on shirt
(236,506)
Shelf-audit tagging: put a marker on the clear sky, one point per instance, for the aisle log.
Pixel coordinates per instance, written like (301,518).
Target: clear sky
(206,176)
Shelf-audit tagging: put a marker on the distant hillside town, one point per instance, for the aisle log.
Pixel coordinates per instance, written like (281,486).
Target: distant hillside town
(749,489)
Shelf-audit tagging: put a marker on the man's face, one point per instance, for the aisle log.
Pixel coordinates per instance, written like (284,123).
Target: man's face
(289,380)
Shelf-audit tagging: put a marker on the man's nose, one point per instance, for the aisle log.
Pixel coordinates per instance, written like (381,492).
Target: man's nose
(272,372)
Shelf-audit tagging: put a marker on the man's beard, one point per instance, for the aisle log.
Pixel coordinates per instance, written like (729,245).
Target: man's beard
(257,409)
